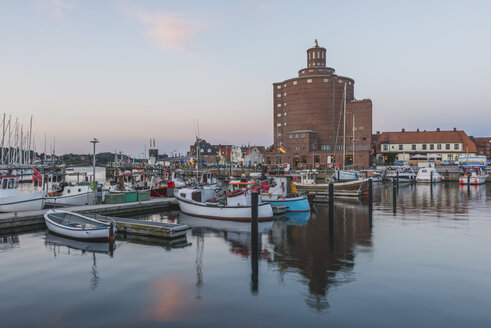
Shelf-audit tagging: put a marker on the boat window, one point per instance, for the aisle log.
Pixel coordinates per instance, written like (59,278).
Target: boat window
(424,171)
(68,191)
(4,183)
(183,195)
(79,190)
(11,184)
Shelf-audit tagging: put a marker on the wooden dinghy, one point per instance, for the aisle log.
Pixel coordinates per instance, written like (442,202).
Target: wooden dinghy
(78,226)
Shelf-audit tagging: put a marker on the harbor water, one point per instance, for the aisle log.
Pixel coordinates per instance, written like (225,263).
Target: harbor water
(427,265)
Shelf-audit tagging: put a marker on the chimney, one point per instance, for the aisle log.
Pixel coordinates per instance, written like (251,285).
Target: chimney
(403,130)
(455,129)
(417,130)
(437,129)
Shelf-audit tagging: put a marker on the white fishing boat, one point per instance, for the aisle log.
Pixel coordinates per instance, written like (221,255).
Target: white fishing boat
(307,181)
(428,175)
(473,170)
(78,226)
(12,200)
(234,206)
(72,195)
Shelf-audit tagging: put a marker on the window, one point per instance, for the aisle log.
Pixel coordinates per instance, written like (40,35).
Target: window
(323,55)
(318,54)
(296,135)
(424,146)
(447,146)
(386,147)
(313,55)
(279,105)
(400,147)
(279,124)
(439,146)
(309,55)
(284,113)
(349,82)
(294,82)
(284,94)
(284,104)
(284,124)
(278,159)
(284,85)
(325,80)
(432,146)
(340,81)
(278,87)
(295,148)
(339,147)
(278,95)
(316,159)
(456,146)
(290,136)
(303,135)
(326,147)
(279,114)
(279,134)
(413,147)
(313,146)
(209,150)
(311,70)
(309,80)
(364,138)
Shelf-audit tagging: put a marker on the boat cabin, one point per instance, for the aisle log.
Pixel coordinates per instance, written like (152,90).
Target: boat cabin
(208,178)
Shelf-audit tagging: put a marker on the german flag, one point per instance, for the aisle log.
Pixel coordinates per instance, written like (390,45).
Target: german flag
(282,148)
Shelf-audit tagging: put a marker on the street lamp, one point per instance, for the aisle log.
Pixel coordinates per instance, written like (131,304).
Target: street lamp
(94,141)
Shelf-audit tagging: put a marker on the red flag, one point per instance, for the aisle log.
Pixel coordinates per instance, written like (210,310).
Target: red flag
(36,176)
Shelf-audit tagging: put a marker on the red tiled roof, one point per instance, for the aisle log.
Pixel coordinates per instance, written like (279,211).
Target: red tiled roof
(418,137)
(261,149)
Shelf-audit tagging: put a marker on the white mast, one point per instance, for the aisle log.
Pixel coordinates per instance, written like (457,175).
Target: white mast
(9,154)
(30,143)
(353,161)
(3,136)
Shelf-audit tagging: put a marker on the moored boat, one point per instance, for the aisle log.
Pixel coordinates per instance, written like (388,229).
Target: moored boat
(428,175)
(282,192)
(11,200)
(234,206)
(78,226)
(473,170)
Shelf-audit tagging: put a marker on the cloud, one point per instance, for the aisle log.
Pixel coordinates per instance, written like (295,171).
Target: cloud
(59,6)
(169,30)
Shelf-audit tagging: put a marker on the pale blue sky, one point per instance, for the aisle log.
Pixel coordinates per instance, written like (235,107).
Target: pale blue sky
(126,71)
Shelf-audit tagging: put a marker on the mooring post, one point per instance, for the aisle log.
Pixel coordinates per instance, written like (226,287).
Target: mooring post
(331,201)
(394,196)
(111,232)
(431,177)
(397,184)
(254,242)
(370,201)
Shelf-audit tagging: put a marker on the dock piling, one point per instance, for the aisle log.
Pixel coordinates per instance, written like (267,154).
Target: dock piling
(254,242)
(394,196)
(331,201)
(370,201)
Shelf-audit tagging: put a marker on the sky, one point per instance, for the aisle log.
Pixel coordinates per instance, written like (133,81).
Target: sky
(126,71)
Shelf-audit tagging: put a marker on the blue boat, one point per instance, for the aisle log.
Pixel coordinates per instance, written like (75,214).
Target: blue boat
(283,192)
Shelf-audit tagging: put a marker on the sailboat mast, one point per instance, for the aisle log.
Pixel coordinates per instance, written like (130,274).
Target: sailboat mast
(344,128)
(353,161)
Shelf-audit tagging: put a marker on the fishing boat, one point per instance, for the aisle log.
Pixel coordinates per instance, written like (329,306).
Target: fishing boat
(233,206)
(282,192)
(428,175)
(307,181)
(473,170)
(72,195)
(78,226)
(12,200)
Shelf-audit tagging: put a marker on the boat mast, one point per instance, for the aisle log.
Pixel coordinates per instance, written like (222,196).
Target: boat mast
(344,129)
(3,135)
(353,161)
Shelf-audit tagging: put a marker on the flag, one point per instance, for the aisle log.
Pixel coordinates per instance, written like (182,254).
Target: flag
(282,148)
(37,177)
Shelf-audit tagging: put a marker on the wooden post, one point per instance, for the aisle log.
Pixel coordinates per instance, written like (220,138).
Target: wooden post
(331,201)
(397,184)
(370,201)
(394,196)
(254,242)
(431,177)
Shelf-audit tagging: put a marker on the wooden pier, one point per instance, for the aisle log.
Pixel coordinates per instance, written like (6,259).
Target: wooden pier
(32,218)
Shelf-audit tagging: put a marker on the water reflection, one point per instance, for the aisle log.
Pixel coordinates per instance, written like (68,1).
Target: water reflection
(323,253)
(9,242)
(64,246)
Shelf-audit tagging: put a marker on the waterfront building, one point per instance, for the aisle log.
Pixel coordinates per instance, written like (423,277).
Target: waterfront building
(254,156)
(310,123)
(483,146)
(440,145)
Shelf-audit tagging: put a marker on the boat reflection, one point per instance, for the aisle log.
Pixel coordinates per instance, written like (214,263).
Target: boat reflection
(65,246)
(167,244)
(9,242)
(297,217)
(320,251)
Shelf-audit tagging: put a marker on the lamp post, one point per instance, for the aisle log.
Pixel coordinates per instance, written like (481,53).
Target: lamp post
(94,141)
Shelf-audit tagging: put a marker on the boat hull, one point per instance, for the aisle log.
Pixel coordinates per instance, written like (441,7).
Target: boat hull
(224,212)
(292,204)
(22,202)
(473,180)
(361,185)
(71,200)
(98,234)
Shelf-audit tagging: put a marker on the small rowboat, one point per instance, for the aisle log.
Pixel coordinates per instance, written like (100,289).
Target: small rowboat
(78,226)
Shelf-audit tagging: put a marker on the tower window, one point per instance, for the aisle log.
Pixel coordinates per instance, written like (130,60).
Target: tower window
(294,82)
(278,87)
(278,95)
(313,54)
(325,80)
(279,105)
(309,80)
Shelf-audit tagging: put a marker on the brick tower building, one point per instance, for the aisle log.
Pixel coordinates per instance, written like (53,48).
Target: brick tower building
(310,120)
